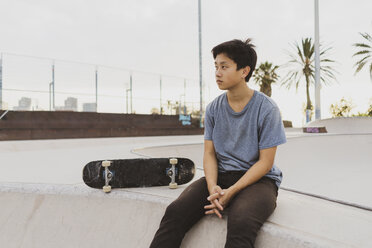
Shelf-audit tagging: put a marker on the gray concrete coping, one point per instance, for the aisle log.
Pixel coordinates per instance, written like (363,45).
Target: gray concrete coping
(46,215)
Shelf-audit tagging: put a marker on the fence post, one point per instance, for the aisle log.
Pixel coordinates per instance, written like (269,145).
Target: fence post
(96,89)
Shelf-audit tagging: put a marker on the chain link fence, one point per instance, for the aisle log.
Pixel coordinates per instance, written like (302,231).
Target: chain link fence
(36,84)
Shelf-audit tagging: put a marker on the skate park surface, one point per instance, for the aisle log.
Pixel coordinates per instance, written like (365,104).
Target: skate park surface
(324,200)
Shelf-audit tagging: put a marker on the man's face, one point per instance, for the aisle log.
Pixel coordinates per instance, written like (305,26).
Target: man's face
(226,74)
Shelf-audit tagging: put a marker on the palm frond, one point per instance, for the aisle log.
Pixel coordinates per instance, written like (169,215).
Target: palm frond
(295,60)
(325,50)
(312,50)
(362,60)
(326,68)
(361,52)
(365,52)
(328,76)
(297,83)
(290,78)
(361,45)
(299,53)
(360,66)
(327,61)
(366,36)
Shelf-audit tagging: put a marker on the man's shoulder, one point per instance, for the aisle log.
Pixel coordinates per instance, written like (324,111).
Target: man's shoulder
(216,102)
(265,101)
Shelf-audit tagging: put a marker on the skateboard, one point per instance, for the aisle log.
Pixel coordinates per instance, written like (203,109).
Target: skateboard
(139,172)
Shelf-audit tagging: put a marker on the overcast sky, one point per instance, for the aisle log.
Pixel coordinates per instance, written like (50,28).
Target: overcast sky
(162,37)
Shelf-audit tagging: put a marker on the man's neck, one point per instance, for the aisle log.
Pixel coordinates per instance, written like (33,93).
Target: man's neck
(240,93)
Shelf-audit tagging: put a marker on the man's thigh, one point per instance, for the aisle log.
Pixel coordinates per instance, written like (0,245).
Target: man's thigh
(192,200)
(181,215)
(254,203)
(248,211)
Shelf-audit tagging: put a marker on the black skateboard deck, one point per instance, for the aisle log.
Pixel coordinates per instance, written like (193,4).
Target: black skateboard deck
(139,172)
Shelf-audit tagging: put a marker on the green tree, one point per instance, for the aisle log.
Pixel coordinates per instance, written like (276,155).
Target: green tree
(364,54)
(342,108)
(301,65)
(264,76)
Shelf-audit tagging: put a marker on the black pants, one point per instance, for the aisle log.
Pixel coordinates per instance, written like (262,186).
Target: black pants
(247,212)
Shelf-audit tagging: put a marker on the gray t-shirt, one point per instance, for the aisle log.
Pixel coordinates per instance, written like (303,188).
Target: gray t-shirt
(238,137)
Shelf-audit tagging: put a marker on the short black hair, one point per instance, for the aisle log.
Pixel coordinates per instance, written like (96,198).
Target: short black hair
(241,52)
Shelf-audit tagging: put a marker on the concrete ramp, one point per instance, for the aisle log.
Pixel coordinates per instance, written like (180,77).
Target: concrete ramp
(347,125)
(45,204)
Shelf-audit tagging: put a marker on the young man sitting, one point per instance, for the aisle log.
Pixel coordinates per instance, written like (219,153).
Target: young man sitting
(243,128)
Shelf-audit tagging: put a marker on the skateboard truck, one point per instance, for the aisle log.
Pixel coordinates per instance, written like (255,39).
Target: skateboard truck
(108,176)
(172,173)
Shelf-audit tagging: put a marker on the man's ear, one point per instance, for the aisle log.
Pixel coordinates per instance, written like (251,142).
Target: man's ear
(246,71)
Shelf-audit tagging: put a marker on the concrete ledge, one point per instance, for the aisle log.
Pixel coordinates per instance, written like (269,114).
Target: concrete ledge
(46,215)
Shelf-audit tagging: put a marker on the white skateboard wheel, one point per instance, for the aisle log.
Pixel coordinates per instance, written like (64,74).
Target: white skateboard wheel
(173,185)
(107,189)
(106,163)
(173,161)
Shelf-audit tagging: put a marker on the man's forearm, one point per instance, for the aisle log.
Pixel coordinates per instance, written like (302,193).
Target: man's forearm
(210,170)
(255,173)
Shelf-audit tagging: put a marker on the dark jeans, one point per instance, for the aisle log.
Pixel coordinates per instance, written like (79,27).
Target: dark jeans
(246,212)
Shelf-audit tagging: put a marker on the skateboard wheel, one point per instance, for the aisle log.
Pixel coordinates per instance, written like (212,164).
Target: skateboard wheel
(107,189)
(106,163)
(173,185)
(173,161)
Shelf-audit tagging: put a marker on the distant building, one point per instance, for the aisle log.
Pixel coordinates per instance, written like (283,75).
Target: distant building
(71,103)
(24,104)
(90,107)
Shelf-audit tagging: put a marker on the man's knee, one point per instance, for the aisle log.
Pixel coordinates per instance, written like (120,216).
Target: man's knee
(244,223)
(174,210)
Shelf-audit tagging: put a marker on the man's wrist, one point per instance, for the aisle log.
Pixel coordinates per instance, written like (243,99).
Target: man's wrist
(234,189)
(211,188)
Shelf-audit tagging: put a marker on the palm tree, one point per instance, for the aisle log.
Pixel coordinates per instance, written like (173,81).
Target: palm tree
(301,65)
(264,76)
(364,54)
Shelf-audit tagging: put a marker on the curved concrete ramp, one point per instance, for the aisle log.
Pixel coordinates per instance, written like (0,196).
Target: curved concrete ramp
(334,166)
(53,208)
(344,124)
(337,167)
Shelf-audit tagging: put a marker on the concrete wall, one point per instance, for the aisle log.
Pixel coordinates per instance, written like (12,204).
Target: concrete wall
(25,125)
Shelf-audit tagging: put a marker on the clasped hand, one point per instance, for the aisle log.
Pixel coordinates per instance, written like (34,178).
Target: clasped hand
(219,199)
